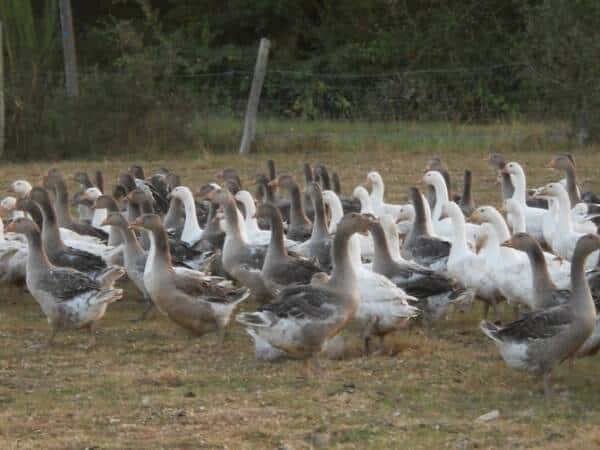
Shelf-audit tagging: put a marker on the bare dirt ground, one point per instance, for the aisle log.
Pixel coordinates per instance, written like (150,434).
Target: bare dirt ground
(139,389)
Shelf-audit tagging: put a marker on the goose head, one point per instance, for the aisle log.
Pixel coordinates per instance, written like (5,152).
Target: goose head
(497,160)
(374,179)
(433,178)
(7,205)
(406,212)
(513,168)
(151,222)
(561,162)
(115,219)
(181,192)
(484,214)
(521,241)
(21,188)
(550,190)
(92,194)
(356,223)
(22,225)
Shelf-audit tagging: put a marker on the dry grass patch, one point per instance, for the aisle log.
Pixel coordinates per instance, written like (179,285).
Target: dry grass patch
(140,388)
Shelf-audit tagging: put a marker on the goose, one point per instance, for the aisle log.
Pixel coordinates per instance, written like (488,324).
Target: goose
(213,235)
(241,260)
(463,264)
(192,233)
(436,164)
(68,298)
(84,211)
(566,238)
(406,217)
(383,308)
(319,244)
(55,182)
(434,291)
(377,193)
(13,259)
(267,195)
(194,301)
(254,234)
(582,219)
(543,339)
(174,219)
(98,214)
(229,174)
(560,270)
(566,163)
(420,244)
(444,227)
(57,252)
(303,318)
(534,217)
(349,204)
(509,269)
(279,268)
(299,227)
(497,161)
(134,256)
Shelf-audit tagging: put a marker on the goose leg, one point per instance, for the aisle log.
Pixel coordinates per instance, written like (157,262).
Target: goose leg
(50,340)
(486,310)
(220,339)
(149,309)
(92,330)
(367,341)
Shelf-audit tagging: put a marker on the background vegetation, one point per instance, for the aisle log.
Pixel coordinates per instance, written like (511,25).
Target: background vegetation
(157,74)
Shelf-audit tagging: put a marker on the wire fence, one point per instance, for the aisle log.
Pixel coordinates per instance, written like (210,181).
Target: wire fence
(116,109)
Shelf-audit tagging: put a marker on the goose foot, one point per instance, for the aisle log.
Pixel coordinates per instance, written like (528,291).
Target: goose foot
(92,341)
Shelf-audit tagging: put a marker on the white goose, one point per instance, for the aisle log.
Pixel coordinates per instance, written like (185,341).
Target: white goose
(377,192)
(463,264)
(566,238)
(560,270)
(13,258)
(534,217)
(444,227)
(192,232)
(366,206)
(334,203)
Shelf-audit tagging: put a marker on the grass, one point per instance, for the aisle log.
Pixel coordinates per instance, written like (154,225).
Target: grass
(136,389)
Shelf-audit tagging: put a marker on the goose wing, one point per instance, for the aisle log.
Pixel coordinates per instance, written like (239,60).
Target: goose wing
(64,283)
(542,324)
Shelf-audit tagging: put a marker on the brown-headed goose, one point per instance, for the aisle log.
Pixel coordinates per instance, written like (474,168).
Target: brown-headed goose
(299,226)
(303,318)
(543,339)
(280,269)
(466,202)
(267,195)
(58,253)
(55,182)
(68,298)
(566,163)
(319,244)
(229,174)
(496,160)
(194,301)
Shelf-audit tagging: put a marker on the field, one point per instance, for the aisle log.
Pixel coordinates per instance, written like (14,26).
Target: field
(139,389)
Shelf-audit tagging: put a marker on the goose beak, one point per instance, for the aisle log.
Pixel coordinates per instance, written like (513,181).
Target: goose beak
(540,193)
(104,223)
(10,228)
(219,175)
(508,243)
(274,183)
(550,164)
(504,171)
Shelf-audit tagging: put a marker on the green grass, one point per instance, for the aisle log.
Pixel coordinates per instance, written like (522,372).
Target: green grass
(138,389)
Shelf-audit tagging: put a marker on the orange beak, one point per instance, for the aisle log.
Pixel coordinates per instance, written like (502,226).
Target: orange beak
(10,228)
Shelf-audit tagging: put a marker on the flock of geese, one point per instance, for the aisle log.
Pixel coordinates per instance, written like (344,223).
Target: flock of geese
(314,259)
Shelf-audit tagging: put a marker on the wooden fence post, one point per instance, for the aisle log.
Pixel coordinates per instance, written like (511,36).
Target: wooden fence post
(2,117)
(260,70)
(68,40)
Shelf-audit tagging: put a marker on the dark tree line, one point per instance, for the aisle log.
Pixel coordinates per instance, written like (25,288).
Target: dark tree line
(142,61)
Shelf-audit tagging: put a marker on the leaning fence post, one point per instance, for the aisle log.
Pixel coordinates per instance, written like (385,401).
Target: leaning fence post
(1,93)
(260,70)
(69,55)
